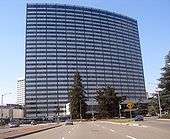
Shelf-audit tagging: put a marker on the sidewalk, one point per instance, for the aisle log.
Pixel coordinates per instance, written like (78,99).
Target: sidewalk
(26,131)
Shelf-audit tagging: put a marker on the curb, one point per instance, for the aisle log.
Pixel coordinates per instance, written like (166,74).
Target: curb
(122,123)
(117,123)
(28,133)
(126,124)
(163,119)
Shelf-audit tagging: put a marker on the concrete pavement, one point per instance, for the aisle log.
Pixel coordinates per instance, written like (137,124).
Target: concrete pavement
(101,130)
(10,133)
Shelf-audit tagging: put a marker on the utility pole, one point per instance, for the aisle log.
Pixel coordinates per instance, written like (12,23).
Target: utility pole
(2,107)
(80,110)
(159,103)
(2,99)
(92,108)
(119,110)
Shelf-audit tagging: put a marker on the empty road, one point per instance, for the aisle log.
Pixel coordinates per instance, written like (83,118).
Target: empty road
(102,130)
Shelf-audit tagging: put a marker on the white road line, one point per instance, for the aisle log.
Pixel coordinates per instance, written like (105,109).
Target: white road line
(130,137)
(144,126)
(112,130)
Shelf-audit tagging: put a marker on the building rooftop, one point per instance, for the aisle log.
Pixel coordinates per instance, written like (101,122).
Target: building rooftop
(82,7)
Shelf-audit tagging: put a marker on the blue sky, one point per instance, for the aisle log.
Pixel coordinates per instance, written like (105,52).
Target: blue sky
(153,18)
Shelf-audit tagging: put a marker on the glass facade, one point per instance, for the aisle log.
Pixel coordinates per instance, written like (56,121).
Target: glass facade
(60,39)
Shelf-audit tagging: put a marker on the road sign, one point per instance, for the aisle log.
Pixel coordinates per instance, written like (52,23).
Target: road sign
(130,105)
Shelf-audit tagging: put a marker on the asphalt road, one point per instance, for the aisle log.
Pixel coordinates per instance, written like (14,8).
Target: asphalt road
(160,124)
(102,130)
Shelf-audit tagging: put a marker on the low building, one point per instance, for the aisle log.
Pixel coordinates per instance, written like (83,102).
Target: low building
(11,111)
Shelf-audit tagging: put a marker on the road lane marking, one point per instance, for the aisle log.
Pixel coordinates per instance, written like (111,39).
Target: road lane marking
(144,126)
(112,130)
(130,137)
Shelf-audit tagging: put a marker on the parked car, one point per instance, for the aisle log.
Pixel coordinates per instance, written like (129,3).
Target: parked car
(93,119)
(69,122)
(33,122)
(139,118)
(14,124)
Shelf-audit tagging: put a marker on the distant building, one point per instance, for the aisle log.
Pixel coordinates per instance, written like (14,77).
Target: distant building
(11,111)
(21,91)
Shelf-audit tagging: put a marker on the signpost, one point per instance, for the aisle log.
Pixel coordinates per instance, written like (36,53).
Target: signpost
(130,105)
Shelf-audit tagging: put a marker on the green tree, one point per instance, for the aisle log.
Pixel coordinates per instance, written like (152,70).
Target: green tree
(153,108)
(108,102)
(77,98)
(165,85)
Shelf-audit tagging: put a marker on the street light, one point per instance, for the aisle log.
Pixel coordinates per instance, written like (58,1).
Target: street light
(2,97)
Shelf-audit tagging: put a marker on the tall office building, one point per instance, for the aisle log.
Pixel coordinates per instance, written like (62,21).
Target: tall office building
(21,91)
(60,39)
